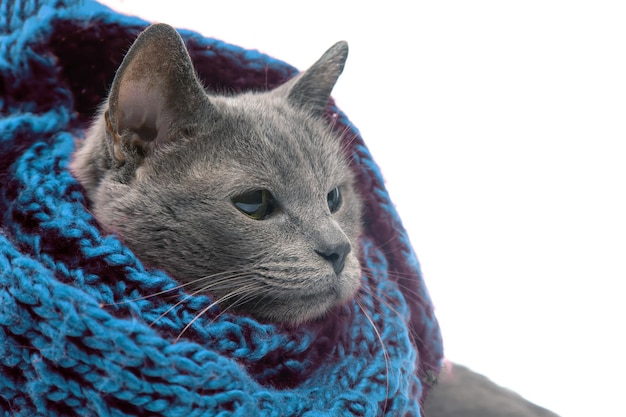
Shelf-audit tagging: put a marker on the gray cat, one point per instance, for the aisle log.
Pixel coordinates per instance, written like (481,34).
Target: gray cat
(248,197)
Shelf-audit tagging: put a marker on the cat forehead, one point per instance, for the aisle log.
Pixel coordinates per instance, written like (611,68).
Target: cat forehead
(268,127)
(261,108)
(267,149)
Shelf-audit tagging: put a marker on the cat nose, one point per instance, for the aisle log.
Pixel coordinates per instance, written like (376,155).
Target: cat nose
(336,254)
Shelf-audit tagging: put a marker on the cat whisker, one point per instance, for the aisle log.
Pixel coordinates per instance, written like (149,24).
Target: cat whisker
(205,310)
(383,299)
(380,299)
(233,277)
(395,237)
(416,338)
(172,307)
(246,290)
(398,234)
(261,296)
(397,277)
(175,288)
(382,345)
(206,289)
(250,294)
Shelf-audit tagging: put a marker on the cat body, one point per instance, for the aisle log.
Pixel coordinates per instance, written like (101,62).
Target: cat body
(460,392)
(247,197)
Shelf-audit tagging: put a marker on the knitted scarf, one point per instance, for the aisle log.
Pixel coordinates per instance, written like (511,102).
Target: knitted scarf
(87,330)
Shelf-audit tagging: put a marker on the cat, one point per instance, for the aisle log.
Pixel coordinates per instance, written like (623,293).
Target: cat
(247,197)
(461,392)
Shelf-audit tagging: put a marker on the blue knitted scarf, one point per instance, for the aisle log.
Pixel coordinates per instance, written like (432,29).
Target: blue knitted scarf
(86,330)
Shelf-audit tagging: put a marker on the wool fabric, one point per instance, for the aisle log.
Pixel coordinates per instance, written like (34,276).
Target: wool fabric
(87,330)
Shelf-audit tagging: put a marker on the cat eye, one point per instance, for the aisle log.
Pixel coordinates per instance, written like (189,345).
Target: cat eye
(334,199)
(257,205)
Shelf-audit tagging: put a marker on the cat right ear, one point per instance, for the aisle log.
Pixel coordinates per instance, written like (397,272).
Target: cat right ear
(154,95)
(311,89)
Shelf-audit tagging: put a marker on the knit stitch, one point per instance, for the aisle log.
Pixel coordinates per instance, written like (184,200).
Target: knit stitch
(87,330)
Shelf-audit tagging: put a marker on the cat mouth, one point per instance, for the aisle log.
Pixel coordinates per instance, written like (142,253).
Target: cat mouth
(299,307)
(289,307)
(307,298)
(275,302)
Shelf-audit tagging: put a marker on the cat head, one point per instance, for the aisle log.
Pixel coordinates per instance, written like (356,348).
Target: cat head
(248,197)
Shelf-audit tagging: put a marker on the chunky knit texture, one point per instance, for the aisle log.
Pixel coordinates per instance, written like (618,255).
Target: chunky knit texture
(86,330)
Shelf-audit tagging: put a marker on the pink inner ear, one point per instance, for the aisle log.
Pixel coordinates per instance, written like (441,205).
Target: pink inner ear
(142,110)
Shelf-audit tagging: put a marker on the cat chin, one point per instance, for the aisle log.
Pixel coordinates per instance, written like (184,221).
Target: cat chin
(303,308)
(294,316)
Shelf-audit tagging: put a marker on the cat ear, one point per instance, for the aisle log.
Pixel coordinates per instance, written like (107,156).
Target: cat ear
(311,89)
(154,93)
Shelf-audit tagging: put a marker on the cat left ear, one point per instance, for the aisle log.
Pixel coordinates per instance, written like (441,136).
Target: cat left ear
(155,93)
(311,89)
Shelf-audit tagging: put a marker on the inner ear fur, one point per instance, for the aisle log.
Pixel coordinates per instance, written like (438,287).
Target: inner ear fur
(154,91)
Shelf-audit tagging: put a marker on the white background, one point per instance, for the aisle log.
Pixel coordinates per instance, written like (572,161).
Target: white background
(500,127)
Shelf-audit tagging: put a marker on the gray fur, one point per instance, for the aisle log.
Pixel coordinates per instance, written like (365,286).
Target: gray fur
(163,160)
(463,393)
